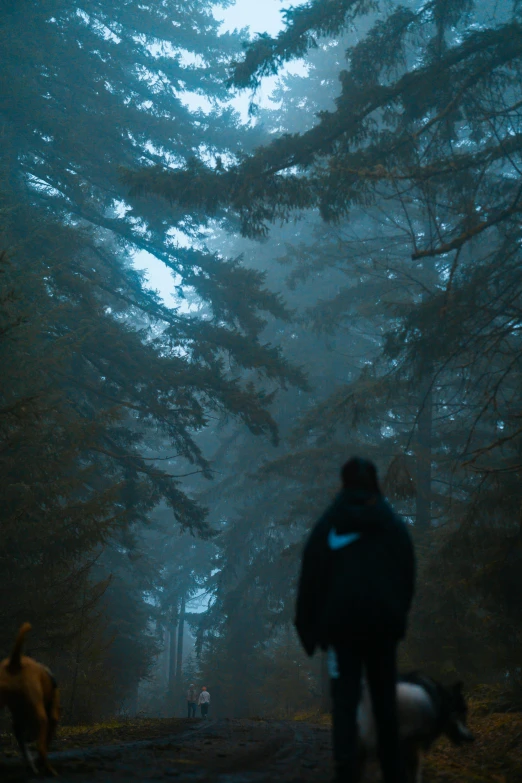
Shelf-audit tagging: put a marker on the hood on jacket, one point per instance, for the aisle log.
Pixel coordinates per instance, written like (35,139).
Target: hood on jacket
(360,511)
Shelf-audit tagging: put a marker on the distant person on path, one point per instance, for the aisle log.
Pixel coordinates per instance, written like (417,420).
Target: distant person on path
(355,590)
(204,701)
(192,700)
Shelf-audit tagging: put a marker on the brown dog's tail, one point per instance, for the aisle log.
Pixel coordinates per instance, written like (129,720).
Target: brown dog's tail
(15,660)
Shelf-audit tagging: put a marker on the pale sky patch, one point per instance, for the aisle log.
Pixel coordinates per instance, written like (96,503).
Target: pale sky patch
(260,16)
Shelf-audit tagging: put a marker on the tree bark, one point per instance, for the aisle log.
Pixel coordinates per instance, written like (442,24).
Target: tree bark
(179,656)
(424,453)
(172,666)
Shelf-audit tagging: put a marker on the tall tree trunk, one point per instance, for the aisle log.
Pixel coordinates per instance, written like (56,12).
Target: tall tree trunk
(423,451)
(165,661)
(172,666)
(179,657)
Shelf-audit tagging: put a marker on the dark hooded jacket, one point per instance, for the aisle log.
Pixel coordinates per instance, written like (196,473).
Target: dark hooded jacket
(358,573)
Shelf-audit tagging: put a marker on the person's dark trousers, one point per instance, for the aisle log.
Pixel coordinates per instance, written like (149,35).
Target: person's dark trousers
(377,659)
(191,709)
(204,710)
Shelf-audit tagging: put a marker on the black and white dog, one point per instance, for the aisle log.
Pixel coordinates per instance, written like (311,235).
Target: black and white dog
(427,710)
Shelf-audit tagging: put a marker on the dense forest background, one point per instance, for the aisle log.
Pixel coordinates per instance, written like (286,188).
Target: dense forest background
(346,278)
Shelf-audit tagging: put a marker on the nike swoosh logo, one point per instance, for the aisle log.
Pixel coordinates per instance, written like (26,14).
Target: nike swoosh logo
(338,541)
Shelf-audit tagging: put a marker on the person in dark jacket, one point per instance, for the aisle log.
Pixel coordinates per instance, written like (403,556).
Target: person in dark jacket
(192,701)
(355,591)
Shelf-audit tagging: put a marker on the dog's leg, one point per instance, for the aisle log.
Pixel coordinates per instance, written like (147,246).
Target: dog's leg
(41,743)
(28,757)
(24,750)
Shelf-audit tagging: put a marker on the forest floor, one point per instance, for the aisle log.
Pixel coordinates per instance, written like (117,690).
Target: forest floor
(254,751)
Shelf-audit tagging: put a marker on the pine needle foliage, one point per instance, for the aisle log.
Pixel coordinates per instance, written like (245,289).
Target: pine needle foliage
(416,171)
(104,388)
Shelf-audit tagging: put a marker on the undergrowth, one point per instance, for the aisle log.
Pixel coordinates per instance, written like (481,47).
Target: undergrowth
(114,731)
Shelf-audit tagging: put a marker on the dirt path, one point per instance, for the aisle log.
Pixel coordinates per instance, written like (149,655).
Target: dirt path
(225,751)
(252,751)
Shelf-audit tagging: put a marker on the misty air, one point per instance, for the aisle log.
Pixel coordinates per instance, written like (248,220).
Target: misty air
(261,391)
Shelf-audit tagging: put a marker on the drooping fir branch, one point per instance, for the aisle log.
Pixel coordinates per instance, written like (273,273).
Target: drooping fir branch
(293,172)
(304,24)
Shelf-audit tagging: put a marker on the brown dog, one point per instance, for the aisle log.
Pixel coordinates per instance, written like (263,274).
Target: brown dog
(29,691)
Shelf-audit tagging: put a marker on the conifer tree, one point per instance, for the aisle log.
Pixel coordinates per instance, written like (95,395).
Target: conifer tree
(424,134)
(104,386)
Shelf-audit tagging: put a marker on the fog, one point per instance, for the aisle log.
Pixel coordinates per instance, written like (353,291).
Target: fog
(237,247)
